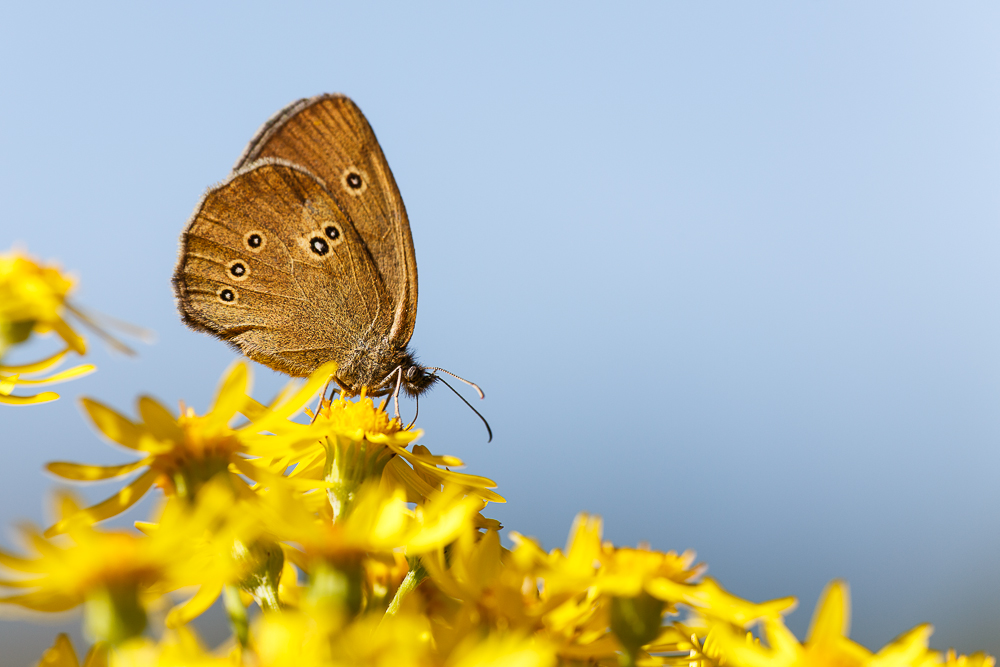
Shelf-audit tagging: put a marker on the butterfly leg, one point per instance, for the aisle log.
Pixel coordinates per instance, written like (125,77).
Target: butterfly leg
(322,397)
(417,412)
(395,393)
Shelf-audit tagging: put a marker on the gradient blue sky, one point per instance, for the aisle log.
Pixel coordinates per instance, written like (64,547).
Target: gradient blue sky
(727,271)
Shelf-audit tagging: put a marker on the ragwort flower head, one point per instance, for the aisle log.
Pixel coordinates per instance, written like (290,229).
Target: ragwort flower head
(827,642)
(33,300)
(116,574)
(180,454)
(592,601)
(360,442)
(348,561)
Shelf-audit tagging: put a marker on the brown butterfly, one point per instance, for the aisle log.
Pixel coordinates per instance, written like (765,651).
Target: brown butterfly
(304,255)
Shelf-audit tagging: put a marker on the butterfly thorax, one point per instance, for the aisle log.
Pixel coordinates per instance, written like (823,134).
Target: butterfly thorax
(380,368)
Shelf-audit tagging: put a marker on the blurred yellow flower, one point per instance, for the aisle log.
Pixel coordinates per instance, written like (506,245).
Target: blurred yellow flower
(115,574)
(33,300)
(346,559)
(827,642)
(379,522)
(318,640)
(62,654)
(591,601)
(182,453)
(177,648)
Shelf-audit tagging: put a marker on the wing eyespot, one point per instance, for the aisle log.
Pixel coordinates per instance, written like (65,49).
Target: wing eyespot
(238,270)
(227,295)
(319,245)
(354,181)
(255,240)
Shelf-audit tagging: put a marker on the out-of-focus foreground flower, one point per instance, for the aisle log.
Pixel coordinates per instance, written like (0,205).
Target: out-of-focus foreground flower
(33,301)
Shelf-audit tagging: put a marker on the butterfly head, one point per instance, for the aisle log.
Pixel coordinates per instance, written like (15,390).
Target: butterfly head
(417,379)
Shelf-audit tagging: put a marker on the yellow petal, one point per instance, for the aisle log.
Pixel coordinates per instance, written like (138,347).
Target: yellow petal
(23,583)
(42,601)
(230,396)
(44,397)
(905,650)
(68,374)
(445,526)
(36,366)
(21,564)
(110,507)
(61,654)
(279,413)
(832,619)
(113,425)
(159,420)
(194,607)
(85,473)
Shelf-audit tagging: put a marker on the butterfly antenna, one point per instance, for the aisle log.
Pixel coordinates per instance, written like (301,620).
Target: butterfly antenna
(486,423)
(410,425)
(471,384)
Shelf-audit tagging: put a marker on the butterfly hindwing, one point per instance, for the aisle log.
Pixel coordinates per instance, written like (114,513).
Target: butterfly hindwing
(272,264)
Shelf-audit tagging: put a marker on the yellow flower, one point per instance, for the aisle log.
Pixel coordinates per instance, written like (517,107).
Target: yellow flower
(182,453)
(177,648)
(975,660)
(360,442)
(826,644)
(503,650)
(590,601)
(295,639)
(32,300)
(379,529)
(116,574)
(379,522)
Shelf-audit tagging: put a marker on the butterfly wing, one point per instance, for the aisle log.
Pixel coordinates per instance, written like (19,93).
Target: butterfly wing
(271,263)
(330,137)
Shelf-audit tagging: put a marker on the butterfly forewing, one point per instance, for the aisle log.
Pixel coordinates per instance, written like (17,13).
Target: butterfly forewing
(330,137)
(272,264)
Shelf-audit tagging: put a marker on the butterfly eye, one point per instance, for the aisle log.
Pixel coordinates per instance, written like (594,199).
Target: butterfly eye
(319,246)
(254,241)
(332,233)
(227,295)
(411,372)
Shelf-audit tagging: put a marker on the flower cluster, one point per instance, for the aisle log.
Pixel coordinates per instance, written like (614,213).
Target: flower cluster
(339,540)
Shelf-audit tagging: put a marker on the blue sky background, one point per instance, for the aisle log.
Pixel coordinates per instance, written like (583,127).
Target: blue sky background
(727,272)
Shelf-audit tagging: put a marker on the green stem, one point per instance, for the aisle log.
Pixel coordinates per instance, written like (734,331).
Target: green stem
(267,595)
(237,614)
(412,579)
(626,658)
